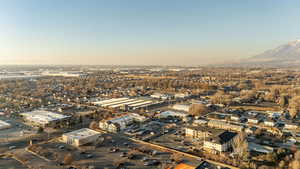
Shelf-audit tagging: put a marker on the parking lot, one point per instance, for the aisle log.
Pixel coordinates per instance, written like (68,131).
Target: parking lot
(112,152)
(17,131)
(7,162)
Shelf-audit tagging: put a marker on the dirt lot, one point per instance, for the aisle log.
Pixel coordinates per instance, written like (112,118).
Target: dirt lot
(259,107)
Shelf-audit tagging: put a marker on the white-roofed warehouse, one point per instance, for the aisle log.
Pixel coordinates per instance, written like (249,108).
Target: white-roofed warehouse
(44,118)
(81,137)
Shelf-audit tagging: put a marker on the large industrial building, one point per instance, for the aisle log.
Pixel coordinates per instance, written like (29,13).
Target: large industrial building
(126,103)
(81,137)
(4,125)
(169,113)
(44,118)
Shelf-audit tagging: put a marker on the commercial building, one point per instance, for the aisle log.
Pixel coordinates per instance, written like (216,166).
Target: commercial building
(269,122)
(253,120)
(224,125)
(120,123)
(291,125)
(127,103)
(182,107)
(201,131)
(182,95)
(162,96)
(221,142)
(167,114)
(81,137)
(4,125)
(44,118)
(234,117)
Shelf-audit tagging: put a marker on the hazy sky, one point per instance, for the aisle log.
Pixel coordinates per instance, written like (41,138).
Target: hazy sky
(167,32)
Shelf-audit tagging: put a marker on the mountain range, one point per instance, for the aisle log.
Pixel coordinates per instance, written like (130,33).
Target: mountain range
(286,55)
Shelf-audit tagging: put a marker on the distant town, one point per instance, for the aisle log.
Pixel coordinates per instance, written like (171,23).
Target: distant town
(149,117)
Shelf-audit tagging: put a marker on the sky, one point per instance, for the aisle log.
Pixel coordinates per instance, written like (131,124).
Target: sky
(143,32)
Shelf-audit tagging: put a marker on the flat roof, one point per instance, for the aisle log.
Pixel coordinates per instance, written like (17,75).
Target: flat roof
(42,116)
(110,100)
(117,102)
(4,124)
(82,133)
(172,113)
(122,103)
(140,104)
(213,131)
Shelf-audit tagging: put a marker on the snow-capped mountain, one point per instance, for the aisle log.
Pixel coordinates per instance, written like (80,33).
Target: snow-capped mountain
(288,51)
(284,55)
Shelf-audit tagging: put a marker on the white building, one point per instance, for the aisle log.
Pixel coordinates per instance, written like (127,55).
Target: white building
(220,143)
(291,125)
(269,122)
(4,125)
(234,117)
(81,137)
(157,95)
(63,74)
(199,122)
(44,118)
(167,114)
(181,107)
(181,95)
(161,96)
(253,120)
(120,123)
(126,103)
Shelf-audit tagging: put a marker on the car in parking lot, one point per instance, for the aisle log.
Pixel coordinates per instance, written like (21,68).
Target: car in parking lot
(113,150)
(123,154)
(89,156)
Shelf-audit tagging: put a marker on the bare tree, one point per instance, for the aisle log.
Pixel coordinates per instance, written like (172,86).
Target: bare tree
(294,106)
(240,146)
(295,164)
(68,159)
(93,125)
(176,157)
(198,109)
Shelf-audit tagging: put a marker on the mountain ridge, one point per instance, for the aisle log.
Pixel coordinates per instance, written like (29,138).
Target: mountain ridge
(286,55)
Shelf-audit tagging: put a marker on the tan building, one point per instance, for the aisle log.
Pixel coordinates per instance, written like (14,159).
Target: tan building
(120,123)
(224,125)
(81,137)
(201,131)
